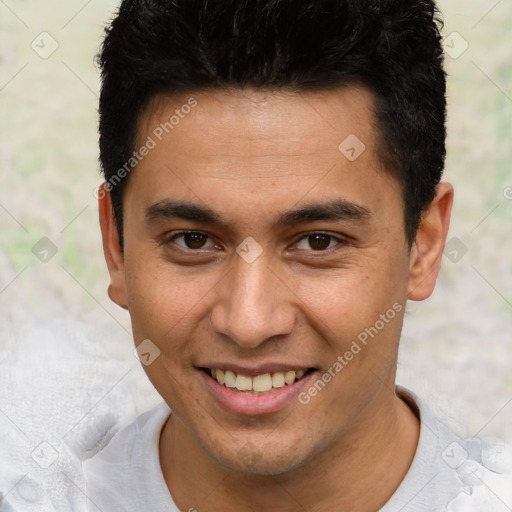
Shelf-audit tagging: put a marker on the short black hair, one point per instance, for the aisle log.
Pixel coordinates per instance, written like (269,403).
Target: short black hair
(393,47)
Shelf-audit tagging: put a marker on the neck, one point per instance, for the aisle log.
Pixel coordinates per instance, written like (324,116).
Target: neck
(376,454)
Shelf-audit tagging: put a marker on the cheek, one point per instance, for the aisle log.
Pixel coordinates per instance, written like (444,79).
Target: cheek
(165,302)
(346,299)
(345,305)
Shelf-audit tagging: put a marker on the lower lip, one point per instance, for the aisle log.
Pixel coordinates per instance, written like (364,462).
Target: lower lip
(255,404)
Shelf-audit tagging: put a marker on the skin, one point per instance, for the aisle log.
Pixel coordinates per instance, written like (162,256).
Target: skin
(251,155)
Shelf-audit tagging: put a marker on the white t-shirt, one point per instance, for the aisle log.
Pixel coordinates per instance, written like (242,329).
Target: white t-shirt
(447,474)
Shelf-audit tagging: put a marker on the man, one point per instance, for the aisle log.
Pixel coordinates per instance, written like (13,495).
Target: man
(272,200)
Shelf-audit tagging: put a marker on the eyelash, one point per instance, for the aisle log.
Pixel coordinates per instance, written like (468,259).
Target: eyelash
(341,240)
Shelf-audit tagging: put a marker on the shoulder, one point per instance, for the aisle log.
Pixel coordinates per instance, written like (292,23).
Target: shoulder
(452,473)
(127,471)
(144,428)
(486,477)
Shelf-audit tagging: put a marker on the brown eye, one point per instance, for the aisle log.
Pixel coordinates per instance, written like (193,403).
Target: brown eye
(318,242)
(194,240)
(191,240)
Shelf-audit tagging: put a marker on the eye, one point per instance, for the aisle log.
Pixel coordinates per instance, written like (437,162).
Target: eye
(318,241)
(191,240)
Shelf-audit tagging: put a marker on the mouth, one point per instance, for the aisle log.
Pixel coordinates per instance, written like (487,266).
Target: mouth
(257,384)
(256,391)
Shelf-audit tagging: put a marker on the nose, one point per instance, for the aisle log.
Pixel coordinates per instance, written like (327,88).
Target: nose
(253,305)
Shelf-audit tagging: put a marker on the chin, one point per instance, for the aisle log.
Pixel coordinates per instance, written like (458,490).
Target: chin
(251,459)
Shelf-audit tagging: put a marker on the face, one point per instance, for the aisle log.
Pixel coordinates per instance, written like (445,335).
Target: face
(256,246)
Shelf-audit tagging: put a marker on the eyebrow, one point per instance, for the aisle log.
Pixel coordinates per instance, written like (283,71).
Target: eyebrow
(336,210)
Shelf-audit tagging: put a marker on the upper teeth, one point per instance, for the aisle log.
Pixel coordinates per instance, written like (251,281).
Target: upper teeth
(259,383)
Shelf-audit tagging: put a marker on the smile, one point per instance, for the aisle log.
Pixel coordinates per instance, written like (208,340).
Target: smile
(257,384)
(256,394)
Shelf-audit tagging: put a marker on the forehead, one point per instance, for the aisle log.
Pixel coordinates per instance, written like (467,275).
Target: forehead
(245,123)
(237,146)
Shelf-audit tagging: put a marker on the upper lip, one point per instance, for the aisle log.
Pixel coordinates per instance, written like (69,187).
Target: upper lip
(256,369)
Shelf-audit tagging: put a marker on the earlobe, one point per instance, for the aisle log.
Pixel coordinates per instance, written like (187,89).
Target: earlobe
(112,248)
(427,251)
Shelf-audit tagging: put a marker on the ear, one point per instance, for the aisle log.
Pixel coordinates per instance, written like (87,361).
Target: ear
(427,250)
(111,248)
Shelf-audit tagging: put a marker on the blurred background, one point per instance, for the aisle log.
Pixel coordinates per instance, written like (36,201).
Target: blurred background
(457,346)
